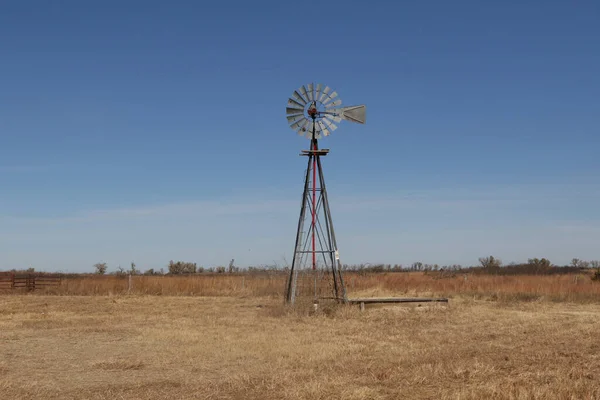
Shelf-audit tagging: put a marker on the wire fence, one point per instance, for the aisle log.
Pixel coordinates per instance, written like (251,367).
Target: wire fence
(28,281)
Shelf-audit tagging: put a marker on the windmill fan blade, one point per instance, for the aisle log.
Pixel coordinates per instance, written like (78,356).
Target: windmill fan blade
(302,130)
(325,91)
(335,118)
(330,125)
(295,118)
(307,132)
(334,104)
(321,126)
(310,92)
(299,124)
(356,114)
(299,98)
(289,111)
(318,92)
(301,94)
(304,93)
(330,97)
(293,103)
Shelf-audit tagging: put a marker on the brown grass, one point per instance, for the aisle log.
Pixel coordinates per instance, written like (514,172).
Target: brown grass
(572,288)
(191,285)
(164,347)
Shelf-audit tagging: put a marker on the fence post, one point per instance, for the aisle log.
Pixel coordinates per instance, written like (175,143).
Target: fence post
(129,284)
(243,282)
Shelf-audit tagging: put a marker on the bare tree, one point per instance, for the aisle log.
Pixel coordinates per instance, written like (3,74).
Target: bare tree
(595,264)
(100,268)
(134,271)
(490,262)
(539,263)
(417,266)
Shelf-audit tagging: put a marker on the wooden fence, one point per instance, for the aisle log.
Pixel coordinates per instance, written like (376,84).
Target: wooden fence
(28,281)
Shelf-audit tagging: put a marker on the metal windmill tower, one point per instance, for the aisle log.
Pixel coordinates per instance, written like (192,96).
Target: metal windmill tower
(313,111)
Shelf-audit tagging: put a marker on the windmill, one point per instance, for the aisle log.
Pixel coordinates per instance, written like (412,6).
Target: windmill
(313,111)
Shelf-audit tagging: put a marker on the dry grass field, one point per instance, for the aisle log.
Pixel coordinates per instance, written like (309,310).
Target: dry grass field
(567,287)
(250,347)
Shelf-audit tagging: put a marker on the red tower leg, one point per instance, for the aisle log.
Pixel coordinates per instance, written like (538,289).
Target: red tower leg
(314,207)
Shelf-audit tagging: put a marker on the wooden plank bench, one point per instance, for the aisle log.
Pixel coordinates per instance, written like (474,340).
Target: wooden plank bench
(380,300)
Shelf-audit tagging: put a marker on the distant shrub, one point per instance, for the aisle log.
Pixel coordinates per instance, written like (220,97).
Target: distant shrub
(181,267)
(133,270)
(376,268)
(490,262)
(100,268)
(534,266)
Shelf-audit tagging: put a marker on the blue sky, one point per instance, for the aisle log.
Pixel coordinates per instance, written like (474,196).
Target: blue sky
(148,131)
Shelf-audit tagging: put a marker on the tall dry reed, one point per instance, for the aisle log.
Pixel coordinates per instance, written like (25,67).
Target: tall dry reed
(568,287)
(192,285)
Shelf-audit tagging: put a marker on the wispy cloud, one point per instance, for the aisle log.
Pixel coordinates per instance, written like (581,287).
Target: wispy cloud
(456,199)
(442,225)
(196,209)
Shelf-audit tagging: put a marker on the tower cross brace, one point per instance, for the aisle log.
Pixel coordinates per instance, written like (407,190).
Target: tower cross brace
(319,246)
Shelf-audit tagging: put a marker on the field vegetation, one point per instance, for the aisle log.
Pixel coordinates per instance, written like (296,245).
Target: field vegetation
(526,331)
(231,347)
(536,280)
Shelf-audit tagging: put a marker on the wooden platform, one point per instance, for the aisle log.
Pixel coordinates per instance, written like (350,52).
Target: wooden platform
(379,300)
(318,152)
